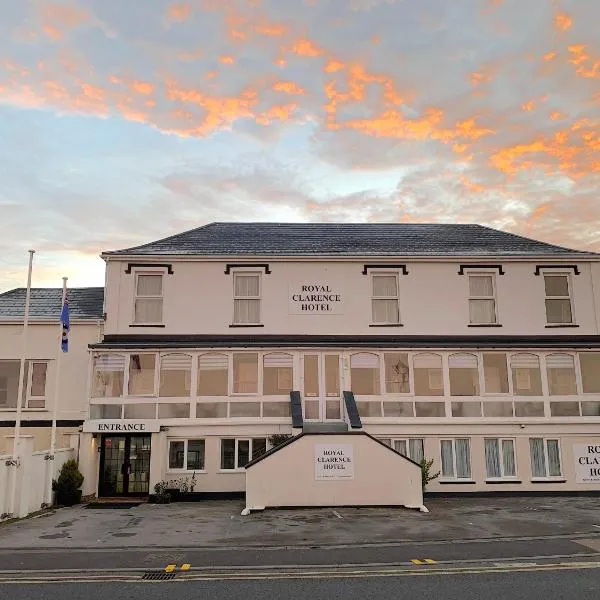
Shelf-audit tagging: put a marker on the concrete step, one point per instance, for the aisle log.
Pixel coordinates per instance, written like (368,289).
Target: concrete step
(325,427)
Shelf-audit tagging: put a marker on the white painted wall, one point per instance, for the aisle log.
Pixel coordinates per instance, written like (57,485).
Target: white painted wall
(198,298)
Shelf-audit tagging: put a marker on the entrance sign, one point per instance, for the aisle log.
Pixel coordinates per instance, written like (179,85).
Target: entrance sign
(106,426)
(334,461)
(315,298)
(587,462)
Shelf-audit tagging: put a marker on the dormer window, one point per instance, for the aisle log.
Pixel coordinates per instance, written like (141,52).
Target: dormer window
(148,302)
(246,298)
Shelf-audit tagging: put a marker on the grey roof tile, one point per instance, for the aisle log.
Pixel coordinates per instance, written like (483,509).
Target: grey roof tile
(84,303)
(348,239)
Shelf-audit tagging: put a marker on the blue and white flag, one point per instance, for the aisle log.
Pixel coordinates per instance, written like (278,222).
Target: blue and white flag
(66,326)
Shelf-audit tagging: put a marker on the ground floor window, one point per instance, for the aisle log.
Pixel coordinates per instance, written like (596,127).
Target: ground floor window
(456,458)
(411,447)
(500,458)
(186,454)
(545,458)
(236,453)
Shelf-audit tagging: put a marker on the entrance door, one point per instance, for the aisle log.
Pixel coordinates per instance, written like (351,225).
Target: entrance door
(124,465)
(322,396)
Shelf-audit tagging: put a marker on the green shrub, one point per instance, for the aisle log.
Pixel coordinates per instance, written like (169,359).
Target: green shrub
(427,474)
(69,479)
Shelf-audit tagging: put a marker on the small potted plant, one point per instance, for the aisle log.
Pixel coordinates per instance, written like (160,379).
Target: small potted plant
(68,484)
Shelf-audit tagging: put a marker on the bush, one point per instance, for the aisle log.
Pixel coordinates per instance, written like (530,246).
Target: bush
(278,438)
(68,483)
(161,496)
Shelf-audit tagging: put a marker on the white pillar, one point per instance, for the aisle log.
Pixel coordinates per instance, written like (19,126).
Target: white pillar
(157,458)
(89,459)
(22,475)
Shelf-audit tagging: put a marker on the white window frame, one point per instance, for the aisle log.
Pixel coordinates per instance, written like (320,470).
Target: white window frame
(454,476)
(259,376)
(547,477)
(29,384)
(237,468)
(482,387)
(569,296)
(396,298)
(499,445)
(493,297)
(154,394)
(136,296)
(185,455)
(392,444)
(4,388)
(259,297)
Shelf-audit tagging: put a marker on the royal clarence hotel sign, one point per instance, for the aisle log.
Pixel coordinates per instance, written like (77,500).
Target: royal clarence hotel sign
(315,298)
(334,461)
(587,462)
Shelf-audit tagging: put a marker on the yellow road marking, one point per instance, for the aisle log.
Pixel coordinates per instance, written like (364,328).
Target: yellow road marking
(430,561)
(170,568)
(424,561)
(185,567)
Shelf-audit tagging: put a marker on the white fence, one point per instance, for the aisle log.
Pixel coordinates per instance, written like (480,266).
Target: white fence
(31,472)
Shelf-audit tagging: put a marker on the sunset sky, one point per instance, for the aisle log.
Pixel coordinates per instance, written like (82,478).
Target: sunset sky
(127,121)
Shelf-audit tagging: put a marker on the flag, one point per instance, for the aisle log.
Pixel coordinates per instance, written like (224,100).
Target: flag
(66,325)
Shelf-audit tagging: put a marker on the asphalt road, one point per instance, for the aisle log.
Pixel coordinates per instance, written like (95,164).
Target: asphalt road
(567,583)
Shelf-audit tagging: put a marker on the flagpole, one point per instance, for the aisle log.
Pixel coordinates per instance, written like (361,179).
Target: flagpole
(50,456)
(20,386)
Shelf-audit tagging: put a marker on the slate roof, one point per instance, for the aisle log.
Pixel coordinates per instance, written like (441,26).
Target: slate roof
(348,239)
(84,303)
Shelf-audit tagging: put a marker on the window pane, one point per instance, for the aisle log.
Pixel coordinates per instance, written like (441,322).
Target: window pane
(564,409)
(9,383)
(556,285)
(141,374)
(553,458)
(148,310)
(558,311)
(243,455)
(590,371)
(416,451)
(38,380)
(561,375)
(276,409)
(386,441)
(175,375)
(495,373)
(492,458)
(211,410)
(508,458)
(245,373)
(398,409)
(244,409)
(227,454)
(481,285)
(246,311)
(369,409)
(332,409)
(482,311)
(447,458)
(396,373)
(332,375)
(428,375)
(385,311)
(529,409)
(247,285)
(312,410)
(590,409)
(105,411)
(277,374)
(538,460)
(463,458)
(213,375)
(466,409)
(140,411)
(195,455)
(385,285)
(498,409)
(527,379)
(364,373)
(176,455)
(430,409)
(400,446)
(311,375)
(259,447)
(174,411)
(464,375)
(109,373)
(149,285)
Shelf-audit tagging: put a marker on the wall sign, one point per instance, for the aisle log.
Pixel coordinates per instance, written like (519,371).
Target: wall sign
(334,461)
(106,426)
(315,298)
(587,462)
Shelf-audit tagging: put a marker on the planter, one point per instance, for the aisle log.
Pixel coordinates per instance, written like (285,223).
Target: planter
(68,498)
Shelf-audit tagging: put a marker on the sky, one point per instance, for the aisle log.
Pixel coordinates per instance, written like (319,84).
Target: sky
(123,122)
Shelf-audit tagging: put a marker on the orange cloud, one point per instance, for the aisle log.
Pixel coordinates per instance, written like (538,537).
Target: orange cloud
(586,66)
(279,112)
(142,87)
(556,115)
(58,18)
(550,56)
(471,186)
(563,21)
(289,87)
(270,29)
(304,47)
(179,12)
(333,65)
(528,106)
(226,59)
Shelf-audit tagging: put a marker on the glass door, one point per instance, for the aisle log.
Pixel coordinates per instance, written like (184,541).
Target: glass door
(322,395)
(124,465)
(138,472)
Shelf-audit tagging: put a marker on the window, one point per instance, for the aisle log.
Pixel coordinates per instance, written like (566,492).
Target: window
(34,389)
(397,373)
(364,373)
(186,454)
(464,375)
(527,379)
(278,374)
(384,304)
(237,453)
(590,372)
(246,298)
(545,458)
(213,375)
(495,373)
(141,374)
(482,300)
(245,373)
(561,375)
(109,373)
(411,448)
(428,375)
(9,383)
(500,458)
(148,299)
(456,459)
(558,299)
(175,375)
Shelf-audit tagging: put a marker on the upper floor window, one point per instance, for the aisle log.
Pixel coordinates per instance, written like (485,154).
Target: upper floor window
(175,375)
(148,306)
(385,303)
(482,299)
(364,373)
(278,374)
(590,372)
(527,379)
(109,375)
(495,373)
(245,373)
(464,375)
(142,374)
(34,383)
(397,373)
(246,298)
(561,375)
(558,299)
(429,380)
(213,374)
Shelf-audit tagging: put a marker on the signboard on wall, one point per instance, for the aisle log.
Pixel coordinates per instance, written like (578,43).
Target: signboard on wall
(334,461)
(587,463)
(129,426)
(315,298)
